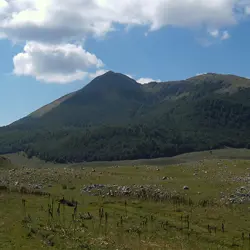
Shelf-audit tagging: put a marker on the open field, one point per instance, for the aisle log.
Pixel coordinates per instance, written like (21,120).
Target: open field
(193,201)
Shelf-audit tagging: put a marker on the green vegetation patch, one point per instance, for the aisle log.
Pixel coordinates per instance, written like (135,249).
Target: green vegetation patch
(202,203)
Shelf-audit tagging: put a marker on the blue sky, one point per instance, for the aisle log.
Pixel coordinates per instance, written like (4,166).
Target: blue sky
(41,62)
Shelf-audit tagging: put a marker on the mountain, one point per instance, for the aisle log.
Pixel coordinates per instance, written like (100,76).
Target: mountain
(116,118)
(110,98)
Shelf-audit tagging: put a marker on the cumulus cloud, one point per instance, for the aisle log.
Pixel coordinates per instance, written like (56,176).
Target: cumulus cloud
(56,20)
(147,80)
(55,63)
(3,4)
(58,23)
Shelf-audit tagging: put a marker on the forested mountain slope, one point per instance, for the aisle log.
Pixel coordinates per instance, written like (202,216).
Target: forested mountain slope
(116,118)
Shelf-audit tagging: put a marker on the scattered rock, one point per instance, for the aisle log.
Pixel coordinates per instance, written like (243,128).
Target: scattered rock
(186,188)
(240,196)
(155,192)
(37,186)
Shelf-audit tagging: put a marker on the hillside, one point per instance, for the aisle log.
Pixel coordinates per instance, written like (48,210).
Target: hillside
(4,162)
(115,118)
(111,98)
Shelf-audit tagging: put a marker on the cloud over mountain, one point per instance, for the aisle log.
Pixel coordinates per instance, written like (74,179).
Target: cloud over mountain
(55,63)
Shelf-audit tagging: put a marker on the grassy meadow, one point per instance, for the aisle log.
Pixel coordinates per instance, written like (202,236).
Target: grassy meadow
(193,201)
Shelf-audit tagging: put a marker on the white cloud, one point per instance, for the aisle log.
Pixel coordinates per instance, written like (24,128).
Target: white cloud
(97,73)
(147,80)
(56,20)
(55,63)
(214,33)
(130,76)
(222,35)
(247,10)
(57,23)
(225,35)
(3,4)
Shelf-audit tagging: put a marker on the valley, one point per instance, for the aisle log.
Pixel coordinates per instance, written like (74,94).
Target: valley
(193,201)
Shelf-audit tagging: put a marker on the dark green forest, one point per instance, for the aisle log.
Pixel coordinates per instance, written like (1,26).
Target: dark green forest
(115,118)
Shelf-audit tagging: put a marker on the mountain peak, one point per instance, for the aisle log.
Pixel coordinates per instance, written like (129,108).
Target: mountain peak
(110,72)
(112,79)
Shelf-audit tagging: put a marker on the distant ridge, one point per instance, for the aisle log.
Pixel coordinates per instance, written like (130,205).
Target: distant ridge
(116,118)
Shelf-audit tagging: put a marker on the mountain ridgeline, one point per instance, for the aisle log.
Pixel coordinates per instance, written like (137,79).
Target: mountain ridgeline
(116,118)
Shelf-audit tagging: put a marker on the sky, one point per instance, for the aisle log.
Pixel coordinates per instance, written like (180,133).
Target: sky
(50,48)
